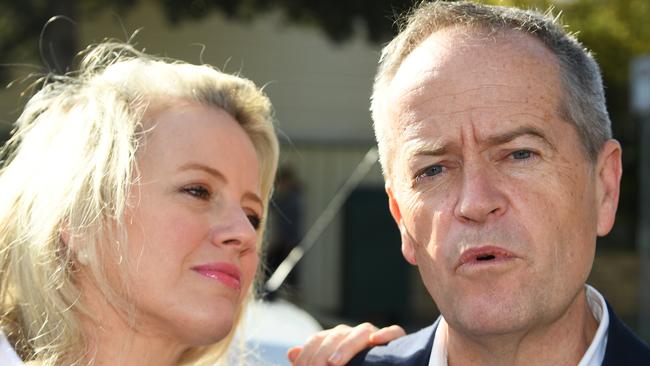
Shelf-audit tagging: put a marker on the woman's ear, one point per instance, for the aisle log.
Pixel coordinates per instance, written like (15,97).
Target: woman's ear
(80,253)
(64,234)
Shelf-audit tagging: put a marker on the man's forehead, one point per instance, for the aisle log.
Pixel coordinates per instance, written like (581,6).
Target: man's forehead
(450,65)
(497,82)
(450,51)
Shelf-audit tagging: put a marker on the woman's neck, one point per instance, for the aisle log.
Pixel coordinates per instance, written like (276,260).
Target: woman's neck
(114,340)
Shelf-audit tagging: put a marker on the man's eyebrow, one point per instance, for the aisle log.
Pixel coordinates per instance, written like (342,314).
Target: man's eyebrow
(438,148)
(219,176)
(427,148)
(508,136)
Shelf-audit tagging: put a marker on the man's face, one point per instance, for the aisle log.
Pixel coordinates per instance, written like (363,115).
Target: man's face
(497,203)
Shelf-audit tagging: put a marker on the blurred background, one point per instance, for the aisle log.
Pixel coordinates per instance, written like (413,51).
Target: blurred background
(317,60)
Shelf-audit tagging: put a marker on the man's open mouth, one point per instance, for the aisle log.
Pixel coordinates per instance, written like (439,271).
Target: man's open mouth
(483,255)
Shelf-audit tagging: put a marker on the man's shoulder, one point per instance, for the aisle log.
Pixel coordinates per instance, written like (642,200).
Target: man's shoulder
(623,346)
(412,349)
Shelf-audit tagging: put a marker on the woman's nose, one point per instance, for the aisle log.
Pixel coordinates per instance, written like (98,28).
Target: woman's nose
(233,228)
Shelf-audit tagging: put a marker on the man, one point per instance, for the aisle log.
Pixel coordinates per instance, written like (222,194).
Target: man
(501,172)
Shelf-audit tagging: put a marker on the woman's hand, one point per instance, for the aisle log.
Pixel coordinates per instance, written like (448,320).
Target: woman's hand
(337,346)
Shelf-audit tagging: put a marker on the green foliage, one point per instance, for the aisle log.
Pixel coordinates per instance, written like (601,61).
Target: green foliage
(27,32)
(338,19)
(615,30)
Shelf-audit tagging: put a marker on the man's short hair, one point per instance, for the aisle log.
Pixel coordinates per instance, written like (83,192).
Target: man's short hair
(583,98)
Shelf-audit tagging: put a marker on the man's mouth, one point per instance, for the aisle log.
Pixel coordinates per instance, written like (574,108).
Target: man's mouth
(484,256)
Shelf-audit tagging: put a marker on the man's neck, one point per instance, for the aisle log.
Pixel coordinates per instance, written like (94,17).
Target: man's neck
(562,342)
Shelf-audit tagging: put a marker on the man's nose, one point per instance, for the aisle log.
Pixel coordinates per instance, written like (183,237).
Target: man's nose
(232,228)
(481,194)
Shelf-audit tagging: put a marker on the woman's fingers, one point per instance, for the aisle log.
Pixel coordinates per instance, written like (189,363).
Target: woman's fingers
(293,353)
(387,334)
(319,346)
(354,342)
(337,346)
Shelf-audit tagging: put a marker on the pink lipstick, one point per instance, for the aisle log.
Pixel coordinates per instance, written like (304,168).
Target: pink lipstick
(226,273)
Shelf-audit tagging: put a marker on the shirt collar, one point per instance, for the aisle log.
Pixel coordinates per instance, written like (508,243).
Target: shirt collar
(593,356)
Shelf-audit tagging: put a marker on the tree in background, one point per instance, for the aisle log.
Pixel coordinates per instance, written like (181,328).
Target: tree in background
(616,30)
(26,32)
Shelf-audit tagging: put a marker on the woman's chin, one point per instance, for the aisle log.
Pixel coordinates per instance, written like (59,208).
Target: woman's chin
(194,330)
(208,328)
(215,334)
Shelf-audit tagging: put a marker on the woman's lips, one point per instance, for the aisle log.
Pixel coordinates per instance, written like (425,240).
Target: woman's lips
(226,273)
(484,257)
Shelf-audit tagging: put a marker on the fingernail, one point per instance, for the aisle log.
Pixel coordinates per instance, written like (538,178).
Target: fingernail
(292,353)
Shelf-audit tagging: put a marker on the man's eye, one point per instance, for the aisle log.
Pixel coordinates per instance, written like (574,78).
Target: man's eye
(430,171)
(522,154)
(255,221)
(197,191)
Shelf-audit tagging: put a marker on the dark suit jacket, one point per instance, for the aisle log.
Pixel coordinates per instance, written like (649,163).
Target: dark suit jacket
(623,348)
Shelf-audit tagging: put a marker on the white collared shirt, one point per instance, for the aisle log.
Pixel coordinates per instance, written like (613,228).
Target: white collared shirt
(593,357)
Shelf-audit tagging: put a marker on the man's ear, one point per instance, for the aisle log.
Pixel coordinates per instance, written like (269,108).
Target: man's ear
(408,251)
(608,183)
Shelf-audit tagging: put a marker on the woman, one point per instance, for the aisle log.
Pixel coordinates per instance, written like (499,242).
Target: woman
(133,197)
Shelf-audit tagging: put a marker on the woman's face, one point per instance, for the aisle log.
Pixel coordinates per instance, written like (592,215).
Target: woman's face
(193,224)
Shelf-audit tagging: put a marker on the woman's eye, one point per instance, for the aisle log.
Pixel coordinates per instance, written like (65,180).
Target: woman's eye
(197,191)
(255,221)
(430,171)
(521,154)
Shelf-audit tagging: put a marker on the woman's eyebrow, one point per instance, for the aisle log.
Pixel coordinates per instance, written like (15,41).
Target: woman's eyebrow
(202,167)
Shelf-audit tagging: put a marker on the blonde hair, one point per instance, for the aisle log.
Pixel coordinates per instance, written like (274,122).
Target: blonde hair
(69,167)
